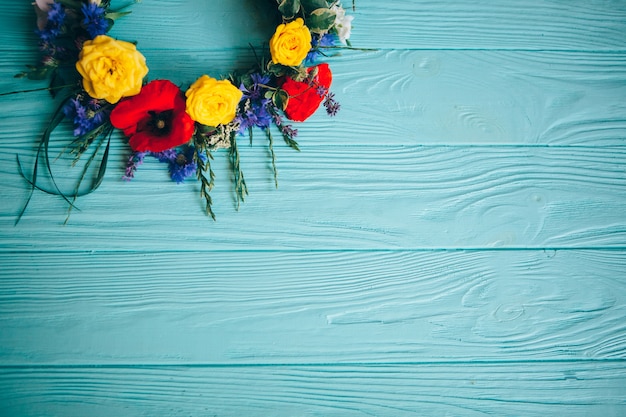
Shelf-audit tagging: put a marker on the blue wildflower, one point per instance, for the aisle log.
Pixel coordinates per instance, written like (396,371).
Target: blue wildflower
(165,156)
(255,111)
(184,165)
(56,14)
(259,81)
(94,21)
(318,42)
(255,114)
(181,162)
(54,23)
(85,116)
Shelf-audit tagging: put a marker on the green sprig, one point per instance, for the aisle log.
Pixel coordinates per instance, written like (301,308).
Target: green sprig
(206,184)
(241,190)
(270,146)
(43,155)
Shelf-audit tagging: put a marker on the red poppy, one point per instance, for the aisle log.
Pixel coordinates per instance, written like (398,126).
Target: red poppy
(304,96)
(155,119)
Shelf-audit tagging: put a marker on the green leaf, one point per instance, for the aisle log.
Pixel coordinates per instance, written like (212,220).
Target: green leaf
(291,143)
(270,145)
(116,15)
(56,83)
(110,23)
(300,74)
(310,5)
(204,129)
(44,156)
(39,73)
(321,20)
(289,8)
(280,99)
(276,70)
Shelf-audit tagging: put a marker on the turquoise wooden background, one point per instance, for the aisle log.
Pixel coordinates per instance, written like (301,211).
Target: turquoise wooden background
(452,244)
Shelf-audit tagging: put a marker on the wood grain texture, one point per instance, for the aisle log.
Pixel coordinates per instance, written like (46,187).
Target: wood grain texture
(507,389)
(427,24)
(407,197)
(452,244)
(414,97)
(467,24)
(275,307)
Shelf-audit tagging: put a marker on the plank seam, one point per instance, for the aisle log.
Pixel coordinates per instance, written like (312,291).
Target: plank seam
(343,250)
(477,362)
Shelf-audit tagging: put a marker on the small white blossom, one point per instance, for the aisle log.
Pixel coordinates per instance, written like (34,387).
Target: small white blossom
(343,23)
(43,5)
(41,10)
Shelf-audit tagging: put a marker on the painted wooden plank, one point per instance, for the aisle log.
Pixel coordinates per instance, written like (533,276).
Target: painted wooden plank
(456,389)
(458,24)
(412,97)
(223,307)
(141,277)
(343,198)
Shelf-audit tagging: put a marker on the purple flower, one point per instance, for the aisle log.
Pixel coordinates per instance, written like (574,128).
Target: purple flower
(255,110)
(180,160)
(133,162)
(166,155)
(331,105)
(255,114)
(94,21)
(286,129)
(86,116)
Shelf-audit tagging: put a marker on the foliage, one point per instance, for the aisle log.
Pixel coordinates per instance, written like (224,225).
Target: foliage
(247,100)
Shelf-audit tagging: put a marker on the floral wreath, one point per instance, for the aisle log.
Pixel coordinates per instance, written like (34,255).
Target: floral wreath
(104,84)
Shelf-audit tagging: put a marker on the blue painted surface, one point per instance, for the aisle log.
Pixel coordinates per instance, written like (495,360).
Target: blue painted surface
(453,243)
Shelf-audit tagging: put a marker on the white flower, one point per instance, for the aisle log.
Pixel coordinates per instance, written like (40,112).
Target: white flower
(44,5)
(343,23)
(41,10)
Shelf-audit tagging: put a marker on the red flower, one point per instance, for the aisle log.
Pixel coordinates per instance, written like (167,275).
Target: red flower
(155,119)
(304,96)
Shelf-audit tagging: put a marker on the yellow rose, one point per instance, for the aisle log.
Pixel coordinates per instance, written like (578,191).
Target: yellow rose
(291,43)
(212,102)
(111,69)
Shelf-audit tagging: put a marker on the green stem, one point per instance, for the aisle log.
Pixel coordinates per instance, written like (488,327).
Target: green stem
(273,155)
(206,185)
(37,89)
(241,190)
